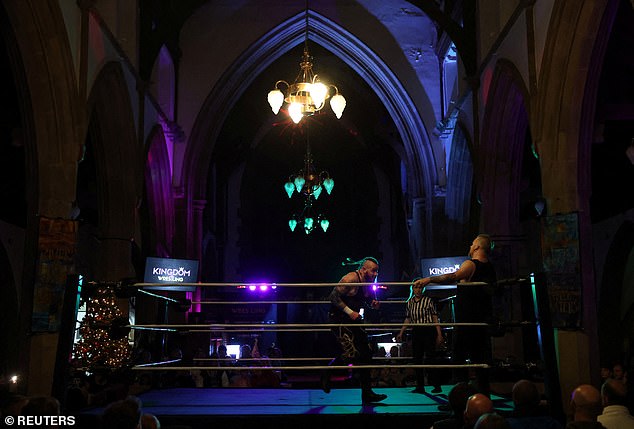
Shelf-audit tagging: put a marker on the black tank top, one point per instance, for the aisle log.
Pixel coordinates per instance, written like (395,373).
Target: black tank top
(473,303)
(484,272)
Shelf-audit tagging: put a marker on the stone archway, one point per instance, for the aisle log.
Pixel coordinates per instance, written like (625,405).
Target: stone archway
(117,156)
(502,143)
(615,303)
(419,158)
(159,197)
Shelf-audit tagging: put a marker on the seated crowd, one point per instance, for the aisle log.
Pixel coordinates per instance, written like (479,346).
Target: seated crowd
(590,408)
(606,407)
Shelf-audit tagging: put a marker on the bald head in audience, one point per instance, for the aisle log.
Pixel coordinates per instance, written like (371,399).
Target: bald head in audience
(585,403)
(477,405)
(492,421)
(150,421)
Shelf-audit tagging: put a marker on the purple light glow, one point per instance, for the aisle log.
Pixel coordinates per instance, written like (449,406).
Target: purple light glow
(260,286)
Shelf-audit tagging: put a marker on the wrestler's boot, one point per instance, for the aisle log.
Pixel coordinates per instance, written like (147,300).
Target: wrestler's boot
(368,396)
(325,376)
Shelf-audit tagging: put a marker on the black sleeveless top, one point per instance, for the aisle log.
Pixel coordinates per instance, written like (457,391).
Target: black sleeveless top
(354,302)
(473,303)
(484,272)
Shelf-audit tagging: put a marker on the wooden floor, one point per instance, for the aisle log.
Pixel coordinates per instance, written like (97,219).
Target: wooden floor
(307,408)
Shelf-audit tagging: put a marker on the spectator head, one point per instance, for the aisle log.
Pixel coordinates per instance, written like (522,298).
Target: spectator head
(394,351)
(525,397)
(613,392)
(222,350)
(477,405)
(12,405)
(150,421)
(491,421)
(123,414)
(245,351)
(618,371)
(585,403)
(458,396)
(41,406)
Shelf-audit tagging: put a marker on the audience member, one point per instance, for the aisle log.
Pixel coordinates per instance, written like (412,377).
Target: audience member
(381,352)
(263,377)
(245,351)
(242,378)
(606,372)
(619,372)
(275,354)
(615,413)
(123,414)
(394,352)
(12,404)
(585,404)
(150,421)
(477,405)
(527,413)
(458,396)
(491,421)
(41,406)
(221,378)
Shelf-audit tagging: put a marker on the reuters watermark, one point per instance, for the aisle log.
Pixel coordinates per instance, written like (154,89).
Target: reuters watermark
(39,421)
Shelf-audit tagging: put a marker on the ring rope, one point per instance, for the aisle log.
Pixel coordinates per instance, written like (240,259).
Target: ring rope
(309,367)
(302,359)
(158,296)
(280,302)
(273,326)
(324,284)
(257,331)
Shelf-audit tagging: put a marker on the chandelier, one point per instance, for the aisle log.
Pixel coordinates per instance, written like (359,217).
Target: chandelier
(307,95)
(308,184)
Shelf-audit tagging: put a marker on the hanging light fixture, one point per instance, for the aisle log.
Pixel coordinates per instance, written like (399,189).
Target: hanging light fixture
(309,184)
(307,95)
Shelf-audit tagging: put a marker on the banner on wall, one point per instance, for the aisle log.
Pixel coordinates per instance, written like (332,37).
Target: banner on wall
(560,247)
(57,244)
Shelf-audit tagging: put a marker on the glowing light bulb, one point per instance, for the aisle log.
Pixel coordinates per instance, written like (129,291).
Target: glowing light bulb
(276,99)
(289,187)
(329,184)
(295,112)
(318,93)
(337,104)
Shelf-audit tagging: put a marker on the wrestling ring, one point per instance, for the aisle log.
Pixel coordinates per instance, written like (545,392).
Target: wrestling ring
(302,396)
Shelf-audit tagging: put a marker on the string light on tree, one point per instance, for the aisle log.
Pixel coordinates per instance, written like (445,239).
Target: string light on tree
(104,342)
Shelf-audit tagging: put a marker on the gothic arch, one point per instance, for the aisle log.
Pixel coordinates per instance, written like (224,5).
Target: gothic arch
(53,102)
(421,165)
(612,317)
(159,196)
(502,143)
(118,159)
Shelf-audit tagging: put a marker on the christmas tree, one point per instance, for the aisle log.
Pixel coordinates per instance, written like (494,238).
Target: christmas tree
(104,341)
